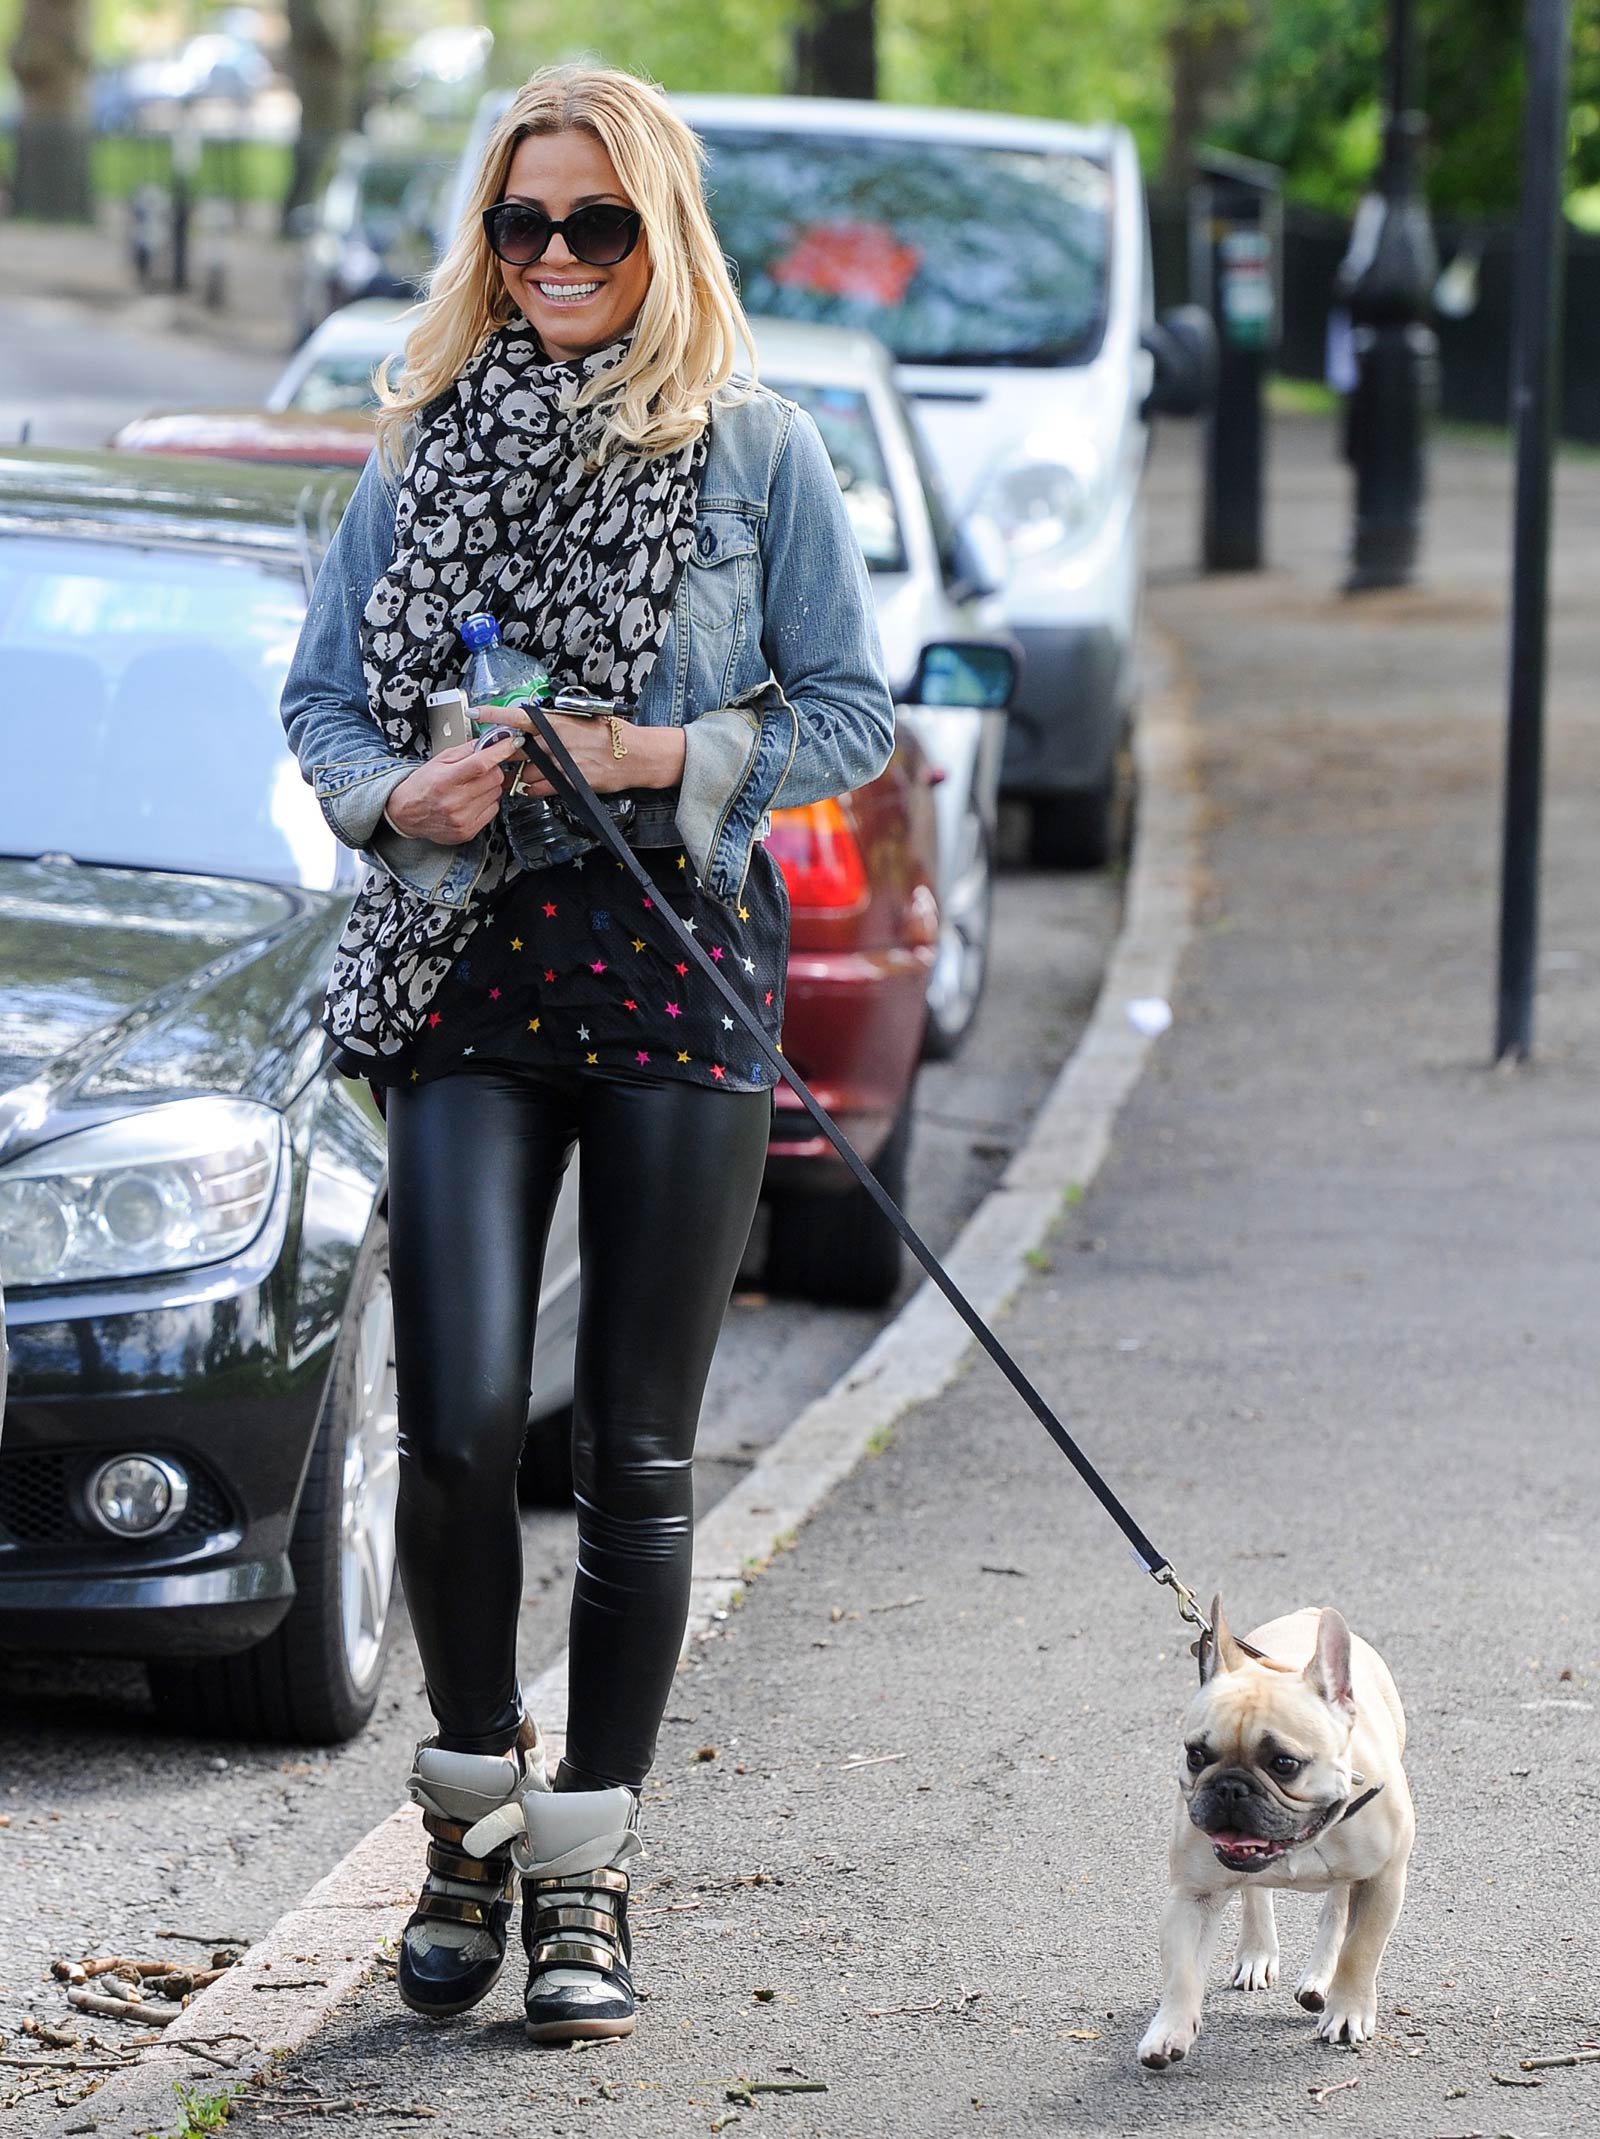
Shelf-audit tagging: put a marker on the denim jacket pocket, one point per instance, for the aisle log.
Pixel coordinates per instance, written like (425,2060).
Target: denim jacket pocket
(721,571)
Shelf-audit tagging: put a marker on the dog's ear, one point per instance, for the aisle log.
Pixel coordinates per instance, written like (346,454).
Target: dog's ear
(1329,1669)
(1221,1652)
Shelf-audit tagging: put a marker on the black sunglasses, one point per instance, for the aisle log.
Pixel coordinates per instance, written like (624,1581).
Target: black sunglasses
(599,236)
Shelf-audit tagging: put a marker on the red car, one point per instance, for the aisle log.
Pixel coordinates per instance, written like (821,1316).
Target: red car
(861,871)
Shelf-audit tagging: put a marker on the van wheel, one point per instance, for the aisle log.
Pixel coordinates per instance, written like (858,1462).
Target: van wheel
(1088,829)
(841,1249)
(315,1679)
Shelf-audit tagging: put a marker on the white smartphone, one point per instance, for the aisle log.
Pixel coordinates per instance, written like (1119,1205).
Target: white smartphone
(448,724)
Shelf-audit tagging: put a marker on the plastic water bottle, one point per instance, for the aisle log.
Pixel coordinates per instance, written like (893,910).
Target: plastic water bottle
(499,675)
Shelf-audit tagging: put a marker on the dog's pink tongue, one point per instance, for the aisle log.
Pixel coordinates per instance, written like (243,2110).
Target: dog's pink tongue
(1228,1839)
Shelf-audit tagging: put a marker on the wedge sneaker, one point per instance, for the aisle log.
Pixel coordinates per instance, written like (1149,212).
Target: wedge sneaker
(454,1945)
(571,1848)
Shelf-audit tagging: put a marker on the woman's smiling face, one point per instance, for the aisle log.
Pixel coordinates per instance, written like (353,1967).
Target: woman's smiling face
(573,308)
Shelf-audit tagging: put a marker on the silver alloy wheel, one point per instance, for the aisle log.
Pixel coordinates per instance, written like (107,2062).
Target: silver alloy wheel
(370,1488)
(963,955)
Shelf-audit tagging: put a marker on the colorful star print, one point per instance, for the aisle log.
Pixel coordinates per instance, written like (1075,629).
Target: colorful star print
(670,1020)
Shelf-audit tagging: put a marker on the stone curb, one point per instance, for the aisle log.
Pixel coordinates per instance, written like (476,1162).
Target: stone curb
(326,1945)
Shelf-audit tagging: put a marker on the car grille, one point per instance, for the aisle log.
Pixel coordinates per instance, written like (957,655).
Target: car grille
(40,1500)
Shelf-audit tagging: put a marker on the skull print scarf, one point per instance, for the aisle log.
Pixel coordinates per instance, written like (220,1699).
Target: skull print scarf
(504,507)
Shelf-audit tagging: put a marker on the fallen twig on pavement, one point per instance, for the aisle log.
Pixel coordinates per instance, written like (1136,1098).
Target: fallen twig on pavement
(884,2012)
(294,1983)
(873,1760)
(1549,2064)
(900,1604)
(93,2001)
(1510,2079)
(985,1569)
(193,1938)
(1319,2095)
(747,2090)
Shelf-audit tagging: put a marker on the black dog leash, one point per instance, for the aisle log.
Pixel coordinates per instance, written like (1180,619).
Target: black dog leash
(574,792)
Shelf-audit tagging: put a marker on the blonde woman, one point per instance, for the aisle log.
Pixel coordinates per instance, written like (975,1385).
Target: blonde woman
(569,449)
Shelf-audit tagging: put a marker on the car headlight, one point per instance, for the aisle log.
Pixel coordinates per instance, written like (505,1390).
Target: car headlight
(1041,505)
(165,1189)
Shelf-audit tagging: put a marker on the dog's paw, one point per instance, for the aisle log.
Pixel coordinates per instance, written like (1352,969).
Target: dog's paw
(1168,2040)
(1348,2019)
(1312,1993)
(1255,1971)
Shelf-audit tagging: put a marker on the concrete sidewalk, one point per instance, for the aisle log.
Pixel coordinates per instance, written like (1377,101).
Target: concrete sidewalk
(1326,1318)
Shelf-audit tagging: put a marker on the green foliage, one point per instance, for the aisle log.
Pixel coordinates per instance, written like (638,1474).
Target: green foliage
(1310,97)
(1073,60)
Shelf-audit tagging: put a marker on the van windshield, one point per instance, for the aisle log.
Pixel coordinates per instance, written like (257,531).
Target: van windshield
(951,252)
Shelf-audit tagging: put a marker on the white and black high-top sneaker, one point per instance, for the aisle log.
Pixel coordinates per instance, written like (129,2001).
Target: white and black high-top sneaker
(570,1847)
(454,1945)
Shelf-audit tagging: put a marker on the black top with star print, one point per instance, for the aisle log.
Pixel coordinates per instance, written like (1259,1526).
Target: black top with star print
(573,969)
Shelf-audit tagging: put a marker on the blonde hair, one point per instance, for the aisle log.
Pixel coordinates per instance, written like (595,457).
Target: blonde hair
(691,324)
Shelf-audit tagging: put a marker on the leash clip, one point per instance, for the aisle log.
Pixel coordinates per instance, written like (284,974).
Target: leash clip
(1188,1603)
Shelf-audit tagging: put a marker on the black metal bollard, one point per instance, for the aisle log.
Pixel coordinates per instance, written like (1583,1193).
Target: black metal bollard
(1385,287)
(1234,248)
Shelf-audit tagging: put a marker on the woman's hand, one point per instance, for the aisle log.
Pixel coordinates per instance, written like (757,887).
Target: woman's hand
(652,757)
(454,795)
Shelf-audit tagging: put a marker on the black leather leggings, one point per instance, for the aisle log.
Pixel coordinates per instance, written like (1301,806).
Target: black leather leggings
(667,1186)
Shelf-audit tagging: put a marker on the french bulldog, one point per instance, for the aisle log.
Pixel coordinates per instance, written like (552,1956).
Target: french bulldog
(1291,1777)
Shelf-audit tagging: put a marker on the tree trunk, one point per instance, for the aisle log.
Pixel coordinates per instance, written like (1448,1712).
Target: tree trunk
(50,59)
(322,64)
(834,50)
(1205,44)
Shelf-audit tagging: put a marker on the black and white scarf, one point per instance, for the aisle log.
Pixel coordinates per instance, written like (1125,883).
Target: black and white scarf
(504,507)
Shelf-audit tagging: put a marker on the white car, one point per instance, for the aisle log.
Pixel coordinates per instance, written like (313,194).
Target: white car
(933,581)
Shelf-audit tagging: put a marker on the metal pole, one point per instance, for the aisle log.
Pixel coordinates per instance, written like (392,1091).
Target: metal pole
(1535,381)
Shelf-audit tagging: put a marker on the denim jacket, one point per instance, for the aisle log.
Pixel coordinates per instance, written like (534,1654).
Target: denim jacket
(770,664)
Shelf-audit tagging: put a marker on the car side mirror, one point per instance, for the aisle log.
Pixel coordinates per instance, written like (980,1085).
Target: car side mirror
(1182,345)
(966,672)
(976,562)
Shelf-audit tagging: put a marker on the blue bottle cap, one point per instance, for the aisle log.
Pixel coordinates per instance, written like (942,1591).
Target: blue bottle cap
(478,632)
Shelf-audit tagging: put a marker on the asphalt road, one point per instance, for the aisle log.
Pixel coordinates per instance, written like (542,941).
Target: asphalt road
(72,377)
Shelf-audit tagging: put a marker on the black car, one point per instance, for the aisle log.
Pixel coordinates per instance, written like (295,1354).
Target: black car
(199,1460)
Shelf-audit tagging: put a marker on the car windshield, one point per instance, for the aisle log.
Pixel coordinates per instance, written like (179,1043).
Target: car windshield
(336,381)
(951,252)
(139,724)
(843,415)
